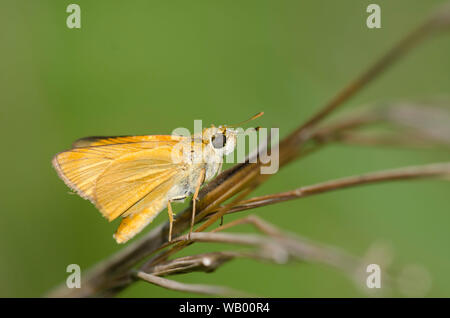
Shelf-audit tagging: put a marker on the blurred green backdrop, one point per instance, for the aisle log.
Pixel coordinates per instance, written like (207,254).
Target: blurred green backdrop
(147,67)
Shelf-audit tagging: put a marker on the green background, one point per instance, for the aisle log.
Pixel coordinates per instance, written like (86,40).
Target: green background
(147,67)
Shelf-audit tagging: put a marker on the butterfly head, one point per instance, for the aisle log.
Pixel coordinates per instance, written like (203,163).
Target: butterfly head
(222,139)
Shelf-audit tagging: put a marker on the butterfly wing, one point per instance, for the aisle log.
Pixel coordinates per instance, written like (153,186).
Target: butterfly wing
(124,187)
(80,166)
(116,173)
(124,176)
(109,140)
(141,214)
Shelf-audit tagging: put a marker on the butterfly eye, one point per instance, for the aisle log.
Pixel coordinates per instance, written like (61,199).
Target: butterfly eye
(218,141)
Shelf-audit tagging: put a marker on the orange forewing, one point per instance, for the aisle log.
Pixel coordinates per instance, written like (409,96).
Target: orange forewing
(115,173)
(123,186)
(102,140)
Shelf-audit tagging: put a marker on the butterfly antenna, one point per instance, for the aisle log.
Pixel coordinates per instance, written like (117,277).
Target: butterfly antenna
(250,119)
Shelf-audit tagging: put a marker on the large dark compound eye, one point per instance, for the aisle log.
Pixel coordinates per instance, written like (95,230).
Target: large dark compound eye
(218,140)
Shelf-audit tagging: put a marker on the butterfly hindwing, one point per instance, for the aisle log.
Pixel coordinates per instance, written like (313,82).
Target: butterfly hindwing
(142,213)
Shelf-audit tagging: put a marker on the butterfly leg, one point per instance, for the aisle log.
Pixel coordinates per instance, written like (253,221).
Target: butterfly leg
(201,177)
(170,212)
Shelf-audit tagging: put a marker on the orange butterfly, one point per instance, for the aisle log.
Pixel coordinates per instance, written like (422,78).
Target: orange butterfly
(136,177)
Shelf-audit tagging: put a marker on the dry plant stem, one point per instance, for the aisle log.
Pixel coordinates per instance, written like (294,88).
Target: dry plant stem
(412,125)
(113,274)
(206,262)
(432,170)
(278,247)
(190,288)
(255,221)
(437,170)
(228,238)
(299,248)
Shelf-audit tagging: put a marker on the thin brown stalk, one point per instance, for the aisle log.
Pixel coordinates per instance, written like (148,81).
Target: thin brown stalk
(278,247)
(189,288)
(437,170)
